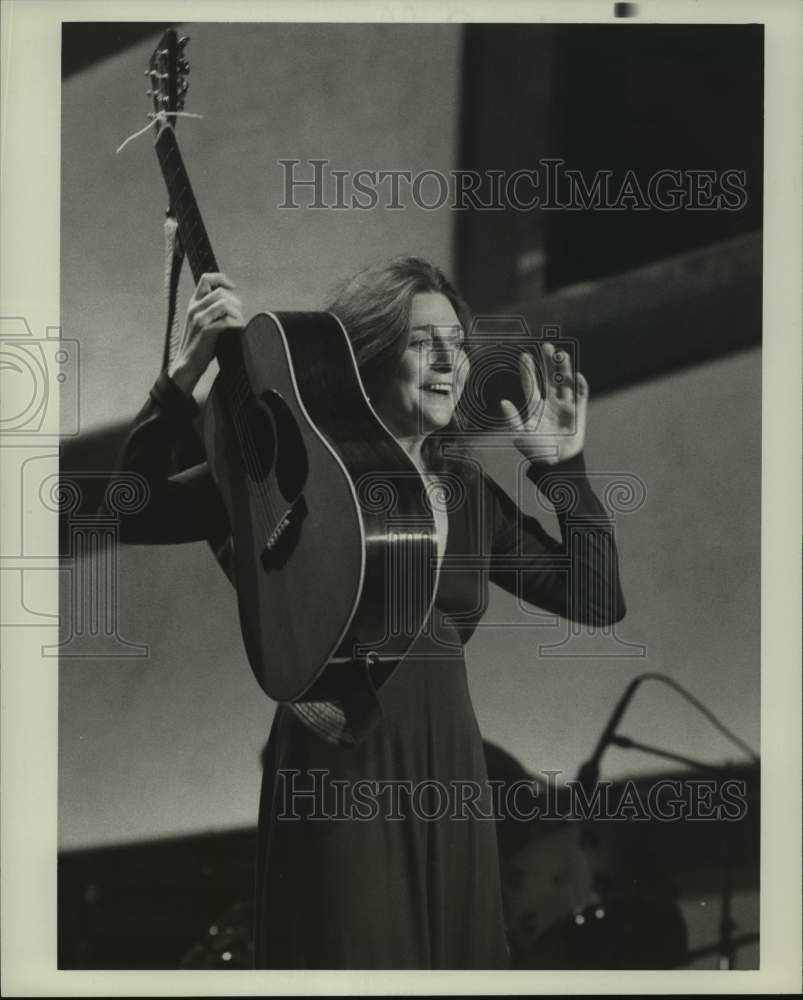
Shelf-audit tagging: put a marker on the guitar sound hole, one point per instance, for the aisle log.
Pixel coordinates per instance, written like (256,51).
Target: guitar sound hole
(286,446)
(260,441)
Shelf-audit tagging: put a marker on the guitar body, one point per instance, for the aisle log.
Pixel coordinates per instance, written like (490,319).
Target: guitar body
(333,534)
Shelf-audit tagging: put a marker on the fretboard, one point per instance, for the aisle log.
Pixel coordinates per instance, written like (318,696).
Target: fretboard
(183,204)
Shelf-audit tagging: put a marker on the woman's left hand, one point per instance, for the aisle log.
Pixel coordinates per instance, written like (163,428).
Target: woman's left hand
(550,428)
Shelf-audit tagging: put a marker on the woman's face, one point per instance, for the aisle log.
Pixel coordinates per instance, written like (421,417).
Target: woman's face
(421,395)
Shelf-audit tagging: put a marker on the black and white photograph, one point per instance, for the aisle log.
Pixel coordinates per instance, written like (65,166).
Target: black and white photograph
(391,492)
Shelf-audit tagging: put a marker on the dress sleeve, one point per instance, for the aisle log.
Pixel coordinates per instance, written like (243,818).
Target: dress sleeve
(186,506)
(576,577)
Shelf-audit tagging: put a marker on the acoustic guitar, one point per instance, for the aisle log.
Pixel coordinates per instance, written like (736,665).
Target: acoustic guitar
(334,539)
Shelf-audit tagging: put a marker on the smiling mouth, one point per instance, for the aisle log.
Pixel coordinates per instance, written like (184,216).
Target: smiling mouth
(439,388)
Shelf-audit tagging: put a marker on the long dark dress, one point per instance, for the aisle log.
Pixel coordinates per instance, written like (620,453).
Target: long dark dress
(404,874)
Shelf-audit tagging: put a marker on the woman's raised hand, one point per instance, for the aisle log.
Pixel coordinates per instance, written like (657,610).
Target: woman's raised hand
(552,426)
(213,308)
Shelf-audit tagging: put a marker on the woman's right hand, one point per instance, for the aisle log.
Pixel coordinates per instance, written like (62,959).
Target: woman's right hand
(213,308)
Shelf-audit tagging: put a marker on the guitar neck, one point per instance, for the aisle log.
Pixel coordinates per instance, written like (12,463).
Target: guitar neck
(191,226)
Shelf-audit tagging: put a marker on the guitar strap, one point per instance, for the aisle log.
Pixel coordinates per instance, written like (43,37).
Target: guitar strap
(347,721)
(174,258)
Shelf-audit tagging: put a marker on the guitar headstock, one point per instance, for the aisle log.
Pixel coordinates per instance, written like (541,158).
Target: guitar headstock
(167,71)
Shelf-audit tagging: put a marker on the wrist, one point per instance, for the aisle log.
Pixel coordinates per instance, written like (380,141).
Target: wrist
(184,376)
(574,466)
(546,455)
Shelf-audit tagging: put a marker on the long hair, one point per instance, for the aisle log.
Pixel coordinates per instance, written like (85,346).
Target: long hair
(374,306)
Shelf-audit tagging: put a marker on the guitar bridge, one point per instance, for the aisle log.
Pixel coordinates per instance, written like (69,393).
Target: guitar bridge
(282,540)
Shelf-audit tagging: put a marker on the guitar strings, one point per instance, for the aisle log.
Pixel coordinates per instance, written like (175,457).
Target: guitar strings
(240,395)
(239,392)
(252,468)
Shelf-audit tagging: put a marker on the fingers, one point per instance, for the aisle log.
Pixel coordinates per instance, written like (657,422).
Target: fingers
(581,386)
(216,305)
(559,369)
(219,326)
(581,395)
(511,415)
(565,383)
(220,304)
(529,384)
(216,293)
(211,280)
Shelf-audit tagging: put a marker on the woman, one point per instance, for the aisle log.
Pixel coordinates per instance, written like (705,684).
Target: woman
(359,866)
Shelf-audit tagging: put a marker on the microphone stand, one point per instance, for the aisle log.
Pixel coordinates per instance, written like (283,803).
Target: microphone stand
(588,776)
(626,743)
(726,946)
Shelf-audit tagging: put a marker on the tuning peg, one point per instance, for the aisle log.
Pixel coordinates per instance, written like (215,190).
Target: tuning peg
(183,65)
(183,41)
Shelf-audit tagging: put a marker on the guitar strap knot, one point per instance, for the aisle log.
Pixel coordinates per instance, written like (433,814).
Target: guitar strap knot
(156,118)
